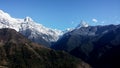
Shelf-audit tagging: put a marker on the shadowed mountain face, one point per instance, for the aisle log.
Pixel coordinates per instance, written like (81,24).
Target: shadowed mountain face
(98,45)
(18,52)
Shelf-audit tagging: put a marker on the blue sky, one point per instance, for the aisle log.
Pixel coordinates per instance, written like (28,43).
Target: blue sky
(62,14)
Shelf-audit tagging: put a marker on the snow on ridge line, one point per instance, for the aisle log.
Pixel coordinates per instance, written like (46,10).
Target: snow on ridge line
(82,24)
(28,20)
(6,21)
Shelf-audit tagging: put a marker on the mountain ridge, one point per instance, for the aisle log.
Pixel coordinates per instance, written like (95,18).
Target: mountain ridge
(36,31)
(97,45)
(16,51)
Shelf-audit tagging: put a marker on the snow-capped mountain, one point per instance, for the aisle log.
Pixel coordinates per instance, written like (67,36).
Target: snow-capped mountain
(29,28)
(97,45)
(82,24)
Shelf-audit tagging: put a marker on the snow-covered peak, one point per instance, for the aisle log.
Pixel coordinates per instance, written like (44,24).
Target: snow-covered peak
(6,18)
(28,19)
(28,27)
(4,15)
(1,12)
(82,24)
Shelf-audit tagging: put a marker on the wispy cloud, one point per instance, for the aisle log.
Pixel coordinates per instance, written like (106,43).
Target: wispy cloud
(94,20)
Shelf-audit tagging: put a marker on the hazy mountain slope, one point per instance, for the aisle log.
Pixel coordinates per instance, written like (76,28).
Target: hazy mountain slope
(18,52)
(97,45)
(30,29)
(76,37)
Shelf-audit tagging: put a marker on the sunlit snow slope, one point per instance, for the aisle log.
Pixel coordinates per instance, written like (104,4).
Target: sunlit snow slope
(29,28)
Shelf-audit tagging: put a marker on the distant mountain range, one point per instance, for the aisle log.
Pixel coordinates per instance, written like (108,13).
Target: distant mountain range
(30,29)
(97,45)
(16,51)
(34,31)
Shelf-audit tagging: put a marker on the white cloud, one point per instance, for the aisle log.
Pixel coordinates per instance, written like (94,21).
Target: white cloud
(94,20)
